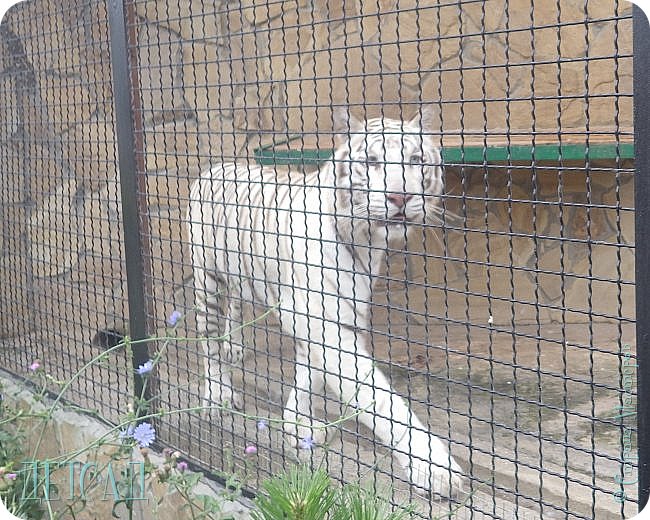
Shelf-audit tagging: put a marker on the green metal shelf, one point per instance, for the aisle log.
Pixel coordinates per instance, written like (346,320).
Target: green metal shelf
(472,154)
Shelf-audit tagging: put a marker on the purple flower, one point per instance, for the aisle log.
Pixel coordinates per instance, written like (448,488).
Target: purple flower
(145,368)
(11,476)
(181,466)
(173,318)
(262,425)
(127,433)
(306,443)
(144,434)
(35,366)
(250,450)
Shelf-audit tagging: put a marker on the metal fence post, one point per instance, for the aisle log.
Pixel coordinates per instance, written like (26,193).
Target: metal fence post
(129,140)
(642,241)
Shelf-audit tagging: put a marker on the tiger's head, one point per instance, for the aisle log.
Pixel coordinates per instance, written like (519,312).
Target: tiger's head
(388,172)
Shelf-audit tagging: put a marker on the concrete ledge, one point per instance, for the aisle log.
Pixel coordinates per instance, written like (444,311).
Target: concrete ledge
(67,432)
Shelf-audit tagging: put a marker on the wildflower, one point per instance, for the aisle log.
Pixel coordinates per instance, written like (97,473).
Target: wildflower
(11,476)
(181,466)
(144,434)
(307,443)
(176,455)
(262,425)
(173,318)
(145,368)
(35,366)
(127,433)
(250,450)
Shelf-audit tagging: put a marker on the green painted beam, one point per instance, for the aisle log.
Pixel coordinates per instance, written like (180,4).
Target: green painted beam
(268,157)
(541,152)
(472,154)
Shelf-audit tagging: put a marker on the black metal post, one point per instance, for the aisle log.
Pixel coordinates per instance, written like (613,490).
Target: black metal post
(127,146)
(642,241)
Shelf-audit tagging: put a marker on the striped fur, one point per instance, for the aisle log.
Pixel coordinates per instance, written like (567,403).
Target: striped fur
(313,243)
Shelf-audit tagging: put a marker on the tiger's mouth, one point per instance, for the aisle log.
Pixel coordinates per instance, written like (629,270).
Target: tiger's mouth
(399,219)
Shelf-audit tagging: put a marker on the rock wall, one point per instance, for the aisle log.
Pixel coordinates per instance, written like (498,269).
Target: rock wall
(67,433)
(218,79)
(531,260)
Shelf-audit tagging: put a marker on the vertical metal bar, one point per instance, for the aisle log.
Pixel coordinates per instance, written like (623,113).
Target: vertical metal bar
(642,241)
(129,141)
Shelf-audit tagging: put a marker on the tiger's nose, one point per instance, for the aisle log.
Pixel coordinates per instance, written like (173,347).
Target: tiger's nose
(399,199)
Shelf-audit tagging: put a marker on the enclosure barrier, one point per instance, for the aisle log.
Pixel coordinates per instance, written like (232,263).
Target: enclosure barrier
(507,323)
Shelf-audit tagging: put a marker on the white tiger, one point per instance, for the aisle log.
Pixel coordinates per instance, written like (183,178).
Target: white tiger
(315,246)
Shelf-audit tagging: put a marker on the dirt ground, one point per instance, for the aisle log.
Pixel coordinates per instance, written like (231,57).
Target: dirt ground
(530,416)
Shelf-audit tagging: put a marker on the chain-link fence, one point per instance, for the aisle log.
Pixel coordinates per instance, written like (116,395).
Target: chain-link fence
(415,222)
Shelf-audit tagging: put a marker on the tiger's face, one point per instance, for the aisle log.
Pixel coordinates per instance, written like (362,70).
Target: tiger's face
(389,173)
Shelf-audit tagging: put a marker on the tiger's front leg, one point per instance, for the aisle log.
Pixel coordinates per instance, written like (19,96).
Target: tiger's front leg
(223,356)
(423,456)
(219,363)
(298,416)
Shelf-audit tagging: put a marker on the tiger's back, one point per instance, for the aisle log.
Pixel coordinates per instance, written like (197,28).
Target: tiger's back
(267,230)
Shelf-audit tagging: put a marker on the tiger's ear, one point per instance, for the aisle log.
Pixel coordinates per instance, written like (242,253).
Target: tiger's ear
(345,123)
(424,118)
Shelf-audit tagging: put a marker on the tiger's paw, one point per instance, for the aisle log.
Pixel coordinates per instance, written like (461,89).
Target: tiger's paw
(222,396)
(304,433)
(439,479)
(430,467)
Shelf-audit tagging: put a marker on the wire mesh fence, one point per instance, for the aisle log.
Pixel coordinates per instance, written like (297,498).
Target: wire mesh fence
(415,220)
(61,241)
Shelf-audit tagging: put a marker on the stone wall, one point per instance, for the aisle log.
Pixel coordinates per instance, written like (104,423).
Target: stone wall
(217,79)
(69,432)
(526,262)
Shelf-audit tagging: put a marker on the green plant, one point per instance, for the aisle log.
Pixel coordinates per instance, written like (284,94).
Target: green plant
(356,503)
(301,494)
(296,495)
(14,484)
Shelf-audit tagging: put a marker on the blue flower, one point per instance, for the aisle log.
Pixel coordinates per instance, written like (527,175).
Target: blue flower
(262,425)
(307,443)
(146,368)
(144,434)
(173,318)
